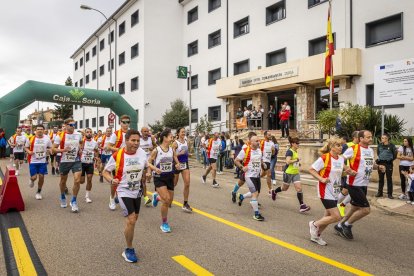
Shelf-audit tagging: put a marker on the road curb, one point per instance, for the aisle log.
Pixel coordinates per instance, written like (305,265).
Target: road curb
(386,210)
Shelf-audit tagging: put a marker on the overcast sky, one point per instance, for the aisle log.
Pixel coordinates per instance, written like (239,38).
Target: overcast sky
(37,38)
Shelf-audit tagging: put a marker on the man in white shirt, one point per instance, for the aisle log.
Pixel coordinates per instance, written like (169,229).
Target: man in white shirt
(89,154)
(17,143)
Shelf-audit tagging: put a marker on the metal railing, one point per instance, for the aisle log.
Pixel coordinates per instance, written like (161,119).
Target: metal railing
(309,129)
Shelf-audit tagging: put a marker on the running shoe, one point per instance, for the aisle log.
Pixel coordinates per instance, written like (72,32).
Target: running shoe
(219,172)
(112,204)
(258,217)
(187,208)
(147,201)
(408,202)
(63,203)
(239,198)
(233,197)
(347,230)
(319,241)
(88,199)
(165,228)
(31,183)
(74,206)
(274,194)
(313,230)
(116,200)
(129,255)
(203,179)
(215,185)
(38,196)
(304,208)
(402,196)
(341,210)
(154,200)
(338,230)
(274,182)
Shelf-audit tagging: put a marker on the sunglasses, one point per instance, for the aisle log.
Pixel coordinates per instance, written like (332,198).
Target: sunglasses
(125,122)
(72,125)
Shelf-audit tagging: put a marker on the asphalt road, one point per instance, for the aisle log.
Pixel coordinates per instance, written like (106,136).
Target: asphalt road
(91,242)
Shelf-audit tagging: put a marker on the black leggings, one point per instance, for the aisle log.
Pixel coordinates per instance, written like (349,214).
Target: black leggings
(402,177)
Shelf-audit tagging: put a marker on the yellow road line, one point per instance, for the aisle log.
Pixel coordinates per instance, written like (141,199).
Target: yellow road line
(279,242)
(21,254)
(191,266)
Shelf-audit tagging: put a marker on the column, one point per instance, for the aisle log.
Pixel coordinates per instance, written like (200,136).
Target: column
(305,104)
(233,105)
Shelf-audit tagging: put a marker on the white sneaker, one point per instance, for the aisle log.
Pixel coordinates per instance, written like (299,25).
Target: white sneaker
(38,196)
(412,202)
(215,185)
(313,230)
(112,204)
(319,241)
(219,172)
(74,206)
(402,196)
(31,183)
(274,181)
(408,202)
(88,200)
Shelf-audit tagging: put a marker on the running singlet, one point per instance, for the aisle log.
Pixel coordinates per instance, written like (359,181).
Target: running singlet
(146,145)
(294,167)
(71,141)
(267,147)
(361,160)
(118,139)
(184,157)
(39,147)
(20,142)
(88,151)
(252,159)
(128,170)
(213,147)
(329,167)
(104,142)
(164,161)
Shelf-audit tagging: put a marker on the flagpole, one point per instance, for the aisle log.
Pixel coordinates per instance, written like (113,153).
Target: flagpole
(331,89)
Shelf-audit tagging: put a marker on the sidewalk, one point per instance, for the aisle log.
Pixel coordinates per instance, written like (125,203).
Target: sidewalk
(389,206)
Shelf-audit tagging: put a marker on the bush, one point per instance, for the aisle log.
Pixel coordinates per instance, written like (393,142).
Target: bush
(177,116)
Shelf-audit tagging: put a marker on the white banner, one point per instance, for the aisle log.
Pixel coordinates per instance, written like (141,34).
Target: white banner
(394,82)
(287,73)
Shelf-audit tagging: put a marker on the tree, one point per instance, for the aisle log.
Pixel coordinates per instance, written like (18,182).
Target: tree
(63,111)
(156,127)
(205,125)
(177,116)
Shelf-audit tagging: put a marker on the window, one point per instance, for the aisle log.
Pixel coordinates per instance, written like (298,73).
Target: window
(102,44)
(101,70)
(312,3)
(76,84)
(121,88)
(101,121)
(134,18)
(76,66)
(94,51)
(134,51)
(213,76)
(214,39)
(121,29)
(81,62)
(110,65)
(94,75)
(192,48)
(214,113)
(134,84)
(276,57)
(87,123)
(81,124)
(241,67)
(322,98)
(385,30)
(213,4)
(121,58)
(194,115)
(241,27)
(318,45)
(93,122)
(87,57)
(81,83)
(192,15)
(276,12)
(194,82)
(369,96)
(111,37)
(87,79)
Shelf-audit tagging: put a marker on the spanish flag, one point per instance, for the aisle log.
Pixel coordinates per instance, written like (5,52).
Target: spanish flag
(329,53)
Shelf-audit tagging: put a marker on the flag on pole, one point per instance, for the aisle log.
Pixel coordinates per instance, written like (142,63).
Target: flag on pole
(329,53)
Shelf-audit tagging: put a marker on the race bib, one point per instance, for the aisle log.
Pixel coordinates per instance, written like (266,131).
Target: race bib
(336,188)
(133,178)
(369,164)
(40,154)
(71,155)
(256,166)
(268,155)
(166,167)
(183,166)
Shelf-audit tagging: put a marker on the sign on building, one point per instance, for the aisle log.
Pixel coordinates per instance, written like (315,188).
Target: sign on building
(394,82)
(273,76)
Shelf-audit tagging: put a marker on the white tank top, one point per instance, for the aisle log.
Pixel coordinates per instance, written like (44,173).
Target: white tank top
(146,145)
(165,161)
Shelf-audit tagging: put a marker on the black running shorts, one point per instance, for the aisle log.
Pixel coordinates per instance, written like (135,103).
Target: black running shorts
(358,196)
(167,181)
(130,205)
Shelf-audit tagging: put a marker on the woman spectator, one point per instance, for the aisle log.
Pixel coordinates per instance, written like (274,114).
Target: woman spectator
(271,117)
(238,145)
(239,113)
(273,160)
(405,154)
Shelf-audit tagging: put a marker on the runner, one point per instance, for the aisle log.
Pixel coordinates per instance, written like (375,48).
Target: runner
(17,143)
(268,149)
(116,142)
(37,148)
(213,146)
(291,174)
(129,165)
(97,135)
(52,136)
(361,160)
(147,143)
(59,155)
(161,163)
(180,147)
(106,152)
(249,161)
(328,170)
(69,144)
(89,154)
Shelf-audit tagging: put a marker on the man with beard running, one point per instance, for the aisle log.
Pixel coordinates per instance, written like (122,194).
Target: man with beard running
(88,156)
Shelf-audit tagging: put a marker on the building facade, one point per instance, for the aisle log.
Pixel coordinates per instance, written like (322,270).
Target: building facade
(245,53)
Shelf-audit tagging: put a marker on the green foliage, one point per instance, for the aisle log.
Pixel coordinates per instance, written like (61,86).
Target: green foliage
(327,120)
(177,116)
(205,125)
(63,111)
(68,82)
(157,127)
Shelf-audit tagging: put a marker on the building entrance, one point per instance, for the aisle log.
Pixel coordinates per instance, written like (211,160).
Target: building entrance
(277,99)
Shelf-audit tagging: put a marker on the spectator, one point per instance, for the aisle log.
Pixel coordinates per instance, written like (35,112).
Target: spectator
(253,117)
(246,114)
(203,148)
(405,154)
(410,181)
(228,147)
(273,160)
(220,159)
(386,155)
(260,113)
(284,115)
(271,116)
(238,145)
(197,140)
(3,144)
(239,113)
